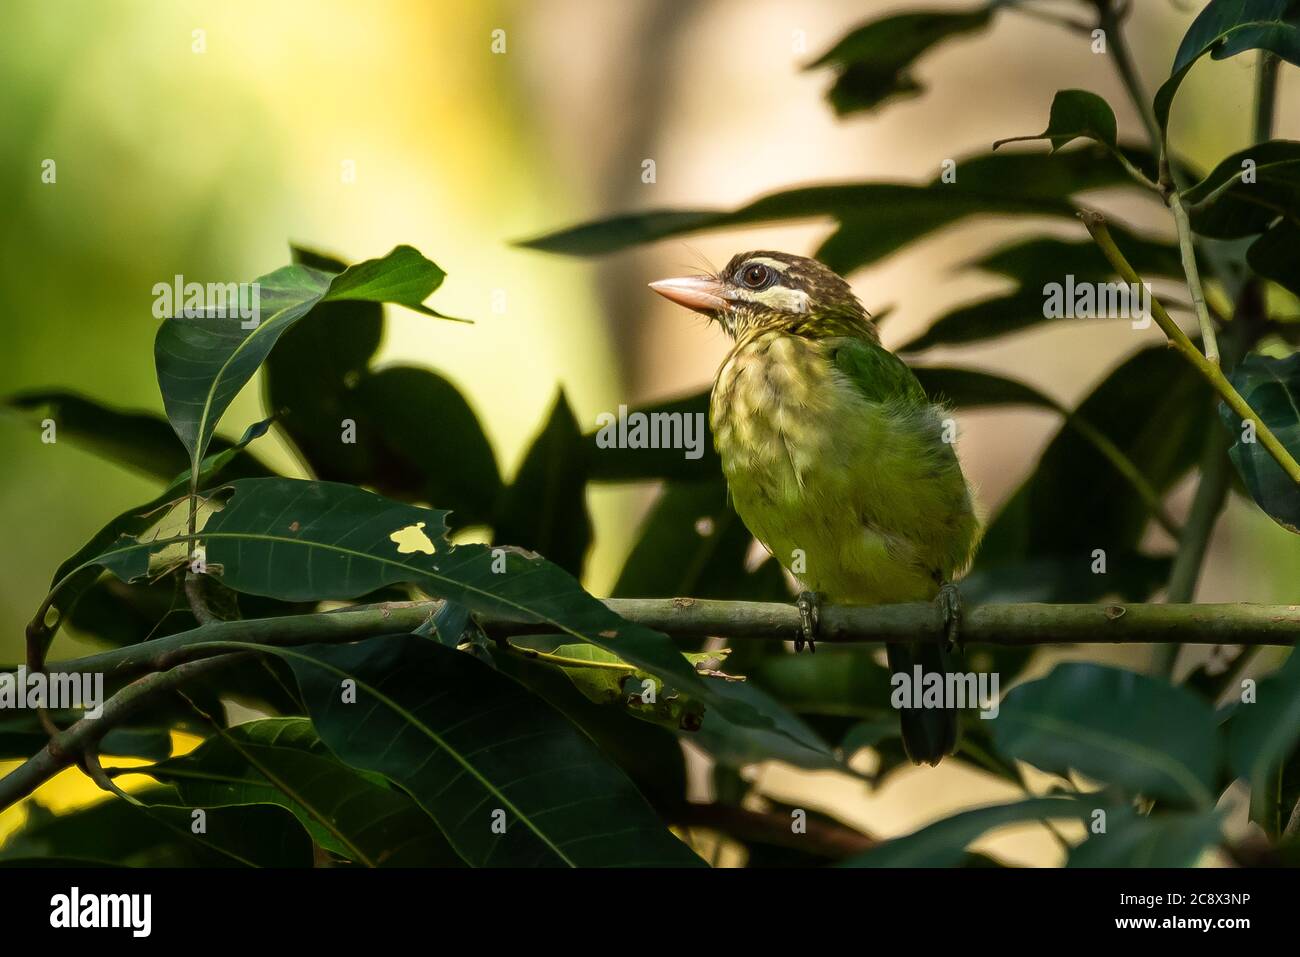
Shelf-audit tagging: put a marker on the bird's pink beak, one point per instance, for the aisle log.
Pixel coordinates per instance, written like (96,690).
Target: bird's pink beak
(700,293)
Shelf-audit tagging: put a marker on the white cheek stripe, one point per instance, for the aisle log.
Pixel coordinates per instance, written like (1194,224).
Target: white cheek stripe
(783,298)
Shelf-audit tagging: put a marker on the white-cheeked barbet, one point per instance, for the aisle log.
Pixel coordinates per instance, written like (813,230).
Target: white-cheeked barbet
(835,457)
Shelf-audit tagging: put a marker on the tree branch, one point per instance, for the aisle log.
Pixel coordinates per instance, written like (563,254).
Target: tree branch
(66,747)
(176,659)
(1020,625)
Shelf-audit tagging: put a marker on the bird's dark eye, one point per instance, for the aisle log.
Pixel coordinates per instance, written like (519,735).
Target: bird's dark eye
(757,276)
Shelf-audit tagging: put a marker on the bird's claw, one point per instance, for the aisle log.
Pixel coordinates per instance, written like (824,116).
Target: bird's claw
(949,602)
(809,604)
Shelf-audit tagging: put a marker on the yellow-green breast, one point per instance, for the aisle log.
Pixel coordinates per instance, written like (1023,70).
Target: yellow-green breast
(862,501)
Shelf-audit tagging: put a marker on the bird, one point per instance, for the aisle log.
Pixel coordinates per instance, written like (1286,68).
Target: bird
(835,458)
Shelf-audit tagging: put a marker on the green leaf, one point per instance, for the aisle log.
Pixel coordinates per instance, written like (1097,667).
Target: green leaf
(735,745)
(875,219)
(1175,839)
(466,742)
(281,761)
(1102,512)
(604,678)
(1035,264)
(1115,726)
(1130,575)
(1272,388)
(648,753)
(1042,259)
(297,540)
(1276,255)
(319,375)
(943,843)
(694,544)
(839,681)
(161,835)
(873,62)
(1075,114)
(141,441)
(203,363)
(973,389)
(545,507)
(78,574)
(1262,735)
(1228,27)
(1236,200)
(416,417)
(609,460)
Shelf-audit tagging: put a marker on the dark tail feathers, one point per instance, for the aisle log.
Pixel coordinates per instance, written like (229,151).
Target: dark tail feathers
(928,733)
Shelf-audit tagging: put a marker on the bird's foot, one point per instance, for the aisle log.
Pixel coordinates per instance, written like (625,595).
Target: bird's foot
(809,604)
(949,602)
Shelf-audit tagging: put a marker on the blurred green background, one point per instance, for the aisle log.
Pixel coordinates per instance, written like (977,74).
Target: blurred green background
(207,163)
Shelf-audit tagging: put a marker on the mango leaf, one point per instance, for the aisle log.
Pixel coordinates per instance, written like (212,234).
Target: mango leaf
(319,376)
(160,835)
(1262,735)
(838,681)
(1043,259)
(1246,192)
(545,507)
(943,843)
(607,458)
(401,408)
(1115,726)
(475,749)
(141,441)
(973,389)
(203,362)
(693,543)
(875,219)
(1132,576)
(1163,443)
(604,678)
(281,761)
(1272,388)
(736,745)
(1228,27)
(79,572)
(1012,184)
(1276,255)
(1075,114)
(647,753)
(1171,839)
(298,540)
(1035,265)
(873,62)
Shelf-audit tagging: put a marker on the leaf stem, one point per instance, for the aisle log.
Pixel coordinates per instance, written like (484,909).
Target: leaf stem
(1188,254)
(1178,339)
(1265,95)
